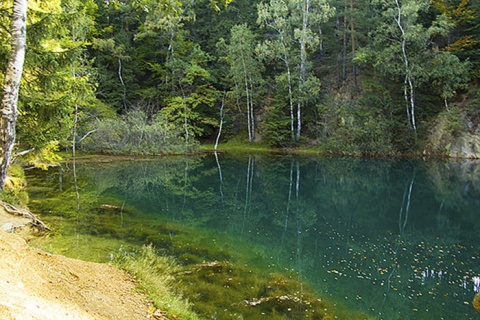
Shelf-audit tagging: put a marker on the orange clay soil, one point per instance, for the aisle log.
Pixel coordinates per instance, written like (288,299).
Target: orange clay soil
(38,285)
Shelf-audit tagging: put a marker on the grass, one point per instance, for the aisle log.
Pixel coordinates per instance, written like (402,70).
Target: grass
(242,146)
(156,275)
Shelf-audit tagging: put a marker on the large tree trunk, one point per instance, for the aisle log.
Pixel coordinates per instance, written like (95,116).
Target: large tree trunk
(13,74)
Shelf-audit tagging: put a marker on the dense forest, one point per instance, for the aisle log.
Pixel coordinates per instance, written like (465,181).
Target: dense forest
(155,76)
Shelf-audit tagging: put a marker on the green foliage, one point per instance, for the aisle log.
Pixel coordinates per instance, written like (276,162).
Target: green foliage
(294,30)
(448,73)
(157,275)
(189,106)
(276,128)
(452,122)
(45,157)
(278,61)
(349,130)
(58,75)
(137,134)
(15,186)
(373,136)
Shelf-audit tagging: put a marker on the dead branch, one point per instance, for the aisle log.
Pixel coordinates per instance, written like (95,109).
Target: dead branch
(25,213)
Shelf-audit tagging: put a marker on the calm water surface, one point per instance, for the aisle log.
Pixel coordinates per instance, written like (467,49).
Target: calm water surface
(394,239)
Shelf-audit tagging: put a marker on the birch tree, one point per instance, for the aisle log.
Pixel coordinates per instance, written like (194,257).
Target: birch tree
(274,16)
(11,86)
(245,71)
(294,28)
(404,47)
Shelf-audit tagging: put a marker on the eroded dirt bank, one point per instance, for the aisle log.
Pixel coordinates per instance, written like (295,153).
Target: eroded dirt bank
(38,285)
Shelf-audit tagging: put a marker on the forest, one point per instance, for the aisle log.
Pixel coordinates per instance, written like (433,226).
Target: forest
(148,77)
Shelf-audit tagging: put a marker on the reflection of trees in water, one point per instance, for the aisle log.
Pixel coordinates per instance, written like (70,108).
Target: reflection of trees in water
(219,174)
(456,186)
(359,223)
(456,182)
(248,190)
(403,218)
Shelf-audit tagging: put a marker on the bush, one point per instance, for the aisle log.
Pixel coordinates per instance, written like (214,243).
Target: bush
(136,134)
(350,130)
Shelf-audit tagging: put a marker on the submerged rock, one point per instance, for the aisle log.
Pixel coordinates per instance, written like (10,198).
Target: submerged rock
(476,302)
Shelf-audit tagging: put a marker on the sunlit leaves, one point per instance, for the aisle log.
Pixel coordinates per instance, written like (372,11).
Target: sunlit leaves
(47,156)
(58,75)
(45,7)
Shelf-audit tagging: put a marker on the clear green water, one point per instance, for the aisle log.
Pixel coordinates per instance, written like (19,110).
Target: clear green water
(391,239)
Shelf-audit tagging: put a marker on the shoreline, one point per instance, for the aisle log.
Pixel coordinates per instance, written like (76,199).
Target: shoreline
(38,285)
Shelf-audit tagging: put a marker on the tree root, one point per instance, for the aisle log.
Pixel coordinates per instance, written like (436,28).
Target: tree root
(26,214)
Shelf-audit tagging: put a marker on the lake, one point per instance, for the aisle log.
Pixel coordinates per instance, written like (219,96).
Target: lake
(386,239)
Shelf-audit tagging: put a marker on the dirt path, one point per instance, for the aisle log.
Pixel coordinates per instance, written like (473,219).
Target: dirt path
(38,285)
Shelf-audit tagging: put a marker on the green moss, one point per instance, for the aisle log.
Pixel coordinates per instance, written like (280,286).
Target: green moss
(15,184)
(222,290)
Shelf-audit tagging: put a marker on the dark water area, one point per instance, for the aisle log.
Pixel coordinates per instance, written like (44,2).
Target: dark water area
(393,239)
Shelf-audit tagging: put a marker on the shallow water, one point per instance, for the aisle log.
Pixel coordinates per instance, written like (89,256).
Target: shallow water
(393,239)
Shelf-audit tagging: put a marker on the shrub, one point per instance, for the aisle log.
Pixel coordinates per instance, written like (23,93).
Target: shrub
(348,129)
(136,134)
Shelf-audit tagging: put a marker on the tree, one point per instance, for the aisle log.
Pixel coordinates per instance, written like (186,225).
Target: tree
(402,46)
(244,71)
(294,26)
(81,88)
(58,91)
(463,39)
(118,82)
(274,16)
(448,74)
(194,96)
(11,86)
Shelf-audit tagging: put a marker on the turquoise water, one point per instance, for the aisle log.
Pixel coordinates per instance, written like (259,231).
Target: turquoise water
(393,239)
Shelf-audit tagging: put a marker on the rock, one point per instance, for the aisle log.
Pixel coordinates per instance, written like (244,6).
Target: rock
(8,227)
(476,302)
(465,146)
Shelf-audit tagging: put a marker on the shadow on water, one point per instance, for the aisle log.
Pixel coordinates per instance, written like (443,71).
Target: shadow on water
(282,237)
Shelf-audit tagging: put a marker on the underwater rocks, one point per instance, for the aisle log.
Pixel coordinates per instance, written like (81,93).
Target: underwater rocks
(110,207)
(476,302)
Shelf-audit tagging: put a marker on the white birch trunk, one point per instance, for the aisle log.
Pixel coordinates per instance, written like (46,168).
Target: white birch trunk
(290,94)
(13,75)
(249,103)
(124,98)
(252,115)
(221,123)
(303,63)
(409,89)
